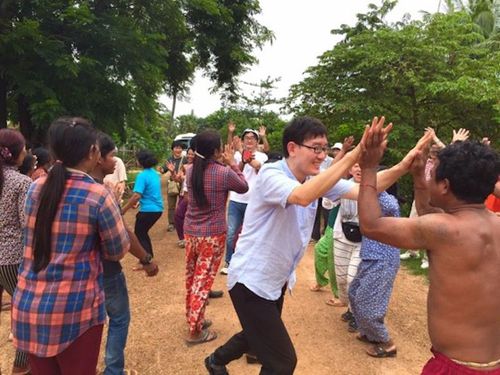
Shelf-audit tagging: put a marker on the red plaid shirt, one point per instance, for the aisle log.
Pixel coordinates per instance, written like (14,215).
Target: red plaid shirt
(217,180)
(53,307)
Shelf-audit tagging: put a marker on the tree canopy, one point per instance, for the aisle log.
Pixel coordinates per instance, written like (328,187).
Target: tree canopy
(436,72)
(109,60)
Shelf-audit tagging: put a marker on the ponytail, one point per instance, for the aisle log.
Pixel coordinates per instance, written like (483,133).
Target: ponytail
(50,197)
(198,185)
(70,140)
(207,143)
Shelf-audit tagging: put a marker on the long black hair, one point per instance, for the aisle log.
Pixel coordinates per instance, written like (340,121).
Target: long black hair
(12,143)
(207,143)
(70,140)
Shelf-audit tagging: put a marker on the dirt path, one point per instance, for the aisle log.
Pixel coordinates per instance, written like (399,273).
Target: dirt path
(323,345)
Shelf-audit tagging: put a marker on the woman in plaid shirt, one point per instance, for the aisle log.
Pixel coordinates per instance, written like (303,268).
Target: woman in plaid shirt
(72,222)
(208,183)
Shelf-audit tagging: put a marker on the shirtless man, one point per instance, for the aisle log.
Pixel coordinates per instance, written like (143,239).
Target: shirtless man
(463,241)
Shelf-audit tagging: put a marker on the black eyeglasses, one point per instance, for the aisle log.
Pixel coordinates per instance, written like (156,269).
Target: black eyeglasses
(317,149)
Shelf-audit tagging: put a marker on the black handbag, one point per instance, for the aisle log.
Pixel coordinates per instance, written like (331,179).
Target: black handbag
(351,231)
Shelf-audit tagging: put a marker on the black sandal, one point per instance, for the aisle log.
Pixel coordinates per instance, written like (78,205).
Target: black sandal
(380,352)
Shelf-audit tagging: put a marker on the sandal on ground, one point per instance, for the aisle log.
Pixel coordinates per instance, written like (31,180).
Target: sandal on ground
(316,288)
(378,351)
(206,323)
(365,339)
(335,302)
(205,336)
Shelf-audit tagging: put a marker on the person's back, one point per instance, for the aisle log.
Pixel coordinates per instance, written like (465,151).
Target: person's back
(464,293)
(463,242)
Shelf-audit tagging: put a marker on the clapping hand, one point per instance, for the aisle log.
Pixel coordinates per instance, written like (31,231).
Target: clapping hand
(228,154)
(422,146)
(374,143)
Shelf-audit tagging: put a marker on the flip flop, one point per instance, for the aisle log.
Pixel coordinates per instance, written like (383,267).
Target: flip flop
(335,302)
(205,336)
(378,351)
(206,323)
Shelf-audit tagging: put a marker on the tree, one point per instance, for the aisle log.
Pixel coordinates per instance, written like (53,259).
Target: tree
(258,101)
(484,13)
(109,60)
(436,72)
(417,74)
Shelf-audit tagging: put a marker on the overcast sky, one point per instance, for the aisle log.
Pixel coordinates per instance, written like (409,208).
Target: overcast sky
(302,33)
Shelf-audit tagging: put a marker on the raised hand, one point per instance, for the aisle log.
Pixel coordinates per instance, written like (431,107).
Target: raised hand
(486,141)
(262,131)
(460,135)
(228,155)
(170,166)
(417,167)
(422,146)
(373,143)
(237,145)
(231,127)
(347,144)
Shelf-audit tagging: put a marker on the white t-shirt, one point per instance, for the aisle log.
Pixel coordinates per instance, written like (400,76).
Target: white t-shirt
(250,176)
(119,175)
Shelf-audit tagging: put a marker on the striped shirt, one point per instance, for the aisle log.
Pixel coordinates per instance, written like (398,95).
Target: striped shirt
(55,306)
(218,180)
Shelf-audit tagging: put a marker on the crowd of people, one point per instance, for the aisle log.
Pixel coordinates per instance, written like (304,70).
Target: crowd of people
(62,236)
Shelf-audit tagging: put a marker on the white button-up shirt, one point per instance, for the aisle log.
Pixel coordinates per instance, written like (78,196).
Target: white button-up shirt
(275,234)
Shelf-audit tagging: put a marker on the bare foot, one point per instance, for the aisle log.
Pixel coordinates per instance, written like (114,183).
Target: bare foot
(316,288)
(335,302)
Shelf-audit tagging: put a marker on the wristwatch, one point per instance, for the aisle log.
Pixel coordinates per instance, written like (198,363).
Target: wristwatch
(146,260)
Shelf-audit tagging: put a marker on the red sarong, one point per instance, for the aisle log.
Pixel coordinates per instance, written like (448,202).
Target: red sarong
(442,365)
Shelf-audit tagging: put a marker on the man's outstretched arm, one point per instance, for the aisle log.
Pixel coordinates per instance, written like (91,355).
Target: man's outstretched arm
(409,233)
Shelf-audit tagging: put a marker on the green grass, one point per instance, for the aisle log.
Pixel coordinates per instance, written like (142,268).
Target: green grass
(413,265)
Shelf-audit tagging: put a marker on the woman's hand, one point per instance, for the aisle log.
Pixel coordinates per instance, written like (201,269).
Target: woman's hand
(228,155)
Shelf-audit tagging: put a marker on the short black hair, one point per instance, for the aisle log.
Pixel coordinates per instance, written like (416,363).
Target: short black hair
(106,144)
(28,164)
(146,159)
(300,129)
(42,155)
(471,168)
(178,144)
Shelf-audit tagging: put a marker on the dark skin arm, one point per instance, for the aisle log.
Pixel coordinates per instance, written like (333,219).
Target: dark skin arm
(138,251)
(421,191)
(409,233)
(134,199)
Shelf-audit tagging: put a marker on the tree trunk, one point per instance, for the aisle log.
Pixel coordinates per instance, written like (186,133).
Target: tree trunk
(3,102)
(174,102)
(26,126)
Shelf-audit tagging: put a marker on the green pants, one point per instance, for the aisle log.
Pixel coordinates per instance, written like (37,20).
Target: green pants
(323,261)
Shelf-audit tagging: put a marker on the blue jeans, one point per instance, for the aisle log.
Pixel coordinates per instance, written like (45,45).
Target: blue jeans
(118,310)
(235,215)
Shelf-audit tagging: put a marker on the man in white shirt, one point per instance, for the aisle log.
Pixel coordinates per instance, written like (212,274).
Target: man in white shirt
(277,227)
(250,161)
(117,180)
